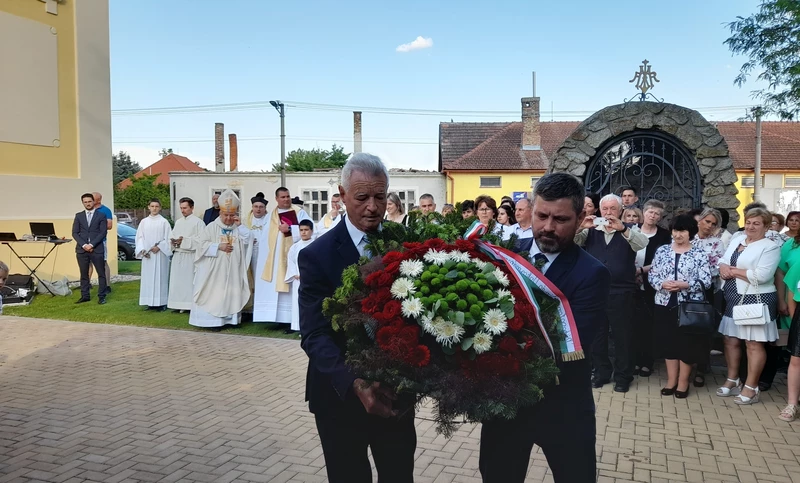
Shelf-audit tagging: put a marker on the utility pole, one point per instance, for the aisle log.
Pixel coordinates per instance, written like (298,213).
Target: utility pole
(278,105)
(757,173)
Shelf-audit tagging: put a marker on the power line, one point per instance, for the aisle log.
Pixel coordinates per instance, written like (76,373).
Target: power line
(258,105)
(274,138)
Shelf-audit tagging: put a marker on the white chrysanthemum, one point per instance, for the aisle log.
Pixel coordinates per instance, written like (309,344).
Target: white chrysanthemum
(501,277)
(459,256)
(503,293)
(482,342)
(411,268)
(403,288)
(479,263)
(411,307)
(436,257)
(495,321)
(449,333)
(427,323)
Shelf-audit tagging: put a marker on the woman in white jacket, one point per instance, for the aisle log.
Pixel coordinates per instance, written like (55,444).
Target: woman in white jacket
(748,266)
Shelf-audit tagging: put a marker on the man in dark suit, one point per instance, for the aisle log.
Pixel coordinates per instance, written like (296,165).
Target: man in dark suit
(351,414)
(563,423)
(89,230)
(212,213)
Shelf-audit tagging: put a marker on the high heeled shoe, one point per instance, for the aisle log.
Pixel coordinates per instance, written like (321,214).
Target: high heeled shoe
(743,400)
(723,391)
(668,391)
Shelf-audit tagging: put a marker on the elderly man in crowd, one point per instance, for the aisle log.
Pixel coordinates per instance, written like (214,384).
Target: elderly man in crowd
(523,228)
(615,245)
(351,414)
(427,204)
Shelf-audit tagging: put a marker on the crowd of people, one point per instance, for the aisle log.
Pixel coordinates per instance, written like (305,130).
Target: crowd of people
(654,270)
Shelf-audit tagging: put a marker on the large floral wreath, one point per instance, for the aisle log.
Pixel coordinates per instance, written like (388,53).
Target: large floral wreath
(457,320)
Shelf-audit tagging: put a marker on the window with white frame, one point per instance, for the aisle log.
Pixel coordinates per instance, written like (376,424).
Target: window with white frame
(491,181)
(408,197)
(534,180)
(791,181)
(315,202)
(749,181)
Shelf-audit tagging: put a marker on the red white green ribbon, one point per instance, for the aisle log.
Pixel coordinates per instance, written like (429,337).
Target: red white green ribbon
(529,279)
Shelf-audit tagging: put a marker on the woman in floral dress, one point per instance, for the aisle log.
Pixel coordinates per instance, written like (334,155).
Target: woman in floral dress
(679,272)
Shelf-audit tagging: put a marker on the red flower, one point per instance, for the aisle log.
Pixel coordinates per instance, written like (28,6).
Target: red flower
(393,268)
(516,323)
(370,304)
(465,245)
(385,280)
(385,337)
(435,244)
(420,356)
(508,344)
(391,310)
(392,257)
(383,296)
(409,334)
(372,279)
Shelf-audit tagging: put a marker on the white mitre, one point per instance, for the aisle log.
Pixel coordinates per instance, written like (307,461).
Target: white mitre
(229,202)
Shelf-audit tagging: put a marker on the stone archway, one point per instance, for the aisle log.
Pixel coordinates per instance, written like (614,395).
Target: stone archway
(684,126)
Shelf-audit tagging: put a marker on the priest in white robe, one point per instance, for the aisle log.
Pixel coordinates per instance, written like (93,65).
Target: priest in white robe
(293,274)
(153,248)
(255,223)
(273,300)
(332,217)
(222,260)
(183,240)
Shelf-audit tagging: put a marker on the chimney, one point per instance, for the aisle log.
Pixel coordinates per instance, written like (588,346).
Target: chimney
(234,149)
(219,147)
(531,134)
(356,131)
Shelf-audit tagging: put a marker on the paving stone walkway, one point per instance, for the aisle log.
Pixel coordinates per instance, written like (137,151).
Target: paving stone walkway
(100,403)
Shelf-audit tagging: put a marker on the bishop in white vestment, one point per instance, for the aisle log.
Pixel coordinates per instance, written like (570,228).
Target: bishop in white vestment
(153,248)
(292,273)
(222,260)
(183,239)
(273,299)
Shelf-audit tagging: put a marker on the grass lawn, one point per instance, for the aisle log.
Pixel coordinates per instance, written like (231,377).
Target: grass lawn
(129,267)
(122,308)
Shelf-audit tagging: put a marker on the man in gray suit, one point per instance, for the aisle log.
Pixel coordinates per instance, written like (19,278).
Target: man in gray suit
(89,230)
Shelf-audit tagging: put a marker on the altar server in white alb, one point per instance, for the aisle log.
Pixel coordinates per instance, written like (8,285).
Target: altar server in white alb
(222,259)
(183,240)
(153,248)
(255,223)
(273,301)
(292,273)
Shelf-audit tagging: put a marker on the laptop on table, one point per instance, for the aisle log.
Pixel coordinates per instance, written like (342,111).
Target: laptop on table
(8,237)
(43,231)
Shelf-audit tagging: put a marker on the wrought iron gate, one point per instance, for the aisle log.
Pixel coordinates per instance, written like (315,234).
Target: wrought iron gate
(653,163)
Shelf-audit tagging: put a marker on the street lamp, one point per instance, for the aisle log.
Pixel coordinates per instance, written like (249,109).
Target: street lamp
(278,105)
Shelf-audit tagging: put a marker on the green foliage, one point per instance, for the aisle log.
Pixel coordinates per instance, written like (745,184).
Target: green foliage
(769,38)
(164,152)
(313,159)
(123,166)
(140,192)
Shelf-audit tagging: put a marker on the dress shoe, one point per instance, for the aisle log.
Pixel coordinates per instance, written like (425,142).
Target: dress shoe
(81,300)
(645,372)
(598,382)
(621,387)
(668,391)
(681,394)
(101,301)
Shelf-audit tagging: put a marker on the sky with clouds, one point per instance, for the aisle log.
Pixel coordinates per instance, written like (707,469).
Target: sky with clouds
(427,62)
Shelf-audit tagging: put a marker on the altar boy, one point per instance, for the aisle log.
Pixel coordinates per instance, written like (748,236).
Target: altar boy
(292,274)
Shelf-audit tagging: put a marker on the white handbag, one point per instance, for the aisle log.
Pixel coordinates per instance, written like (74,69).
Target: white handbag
(751,314)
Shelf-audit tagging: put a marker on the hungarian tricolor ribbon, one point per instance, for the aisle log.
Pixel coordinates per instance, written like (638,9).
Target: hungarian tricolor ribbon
(530,279)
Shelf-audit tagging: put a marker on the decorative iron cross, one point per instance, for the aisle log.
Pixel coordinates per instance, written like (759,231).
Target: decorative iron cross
(645,78)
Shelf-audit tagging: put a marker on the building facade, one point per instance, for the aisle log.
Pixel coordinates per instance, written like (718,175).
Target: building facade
(315,188)
(55,121)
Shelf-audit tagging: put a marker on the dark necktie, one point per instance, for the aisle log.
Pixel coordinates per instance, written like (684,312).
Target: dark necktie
(539,261)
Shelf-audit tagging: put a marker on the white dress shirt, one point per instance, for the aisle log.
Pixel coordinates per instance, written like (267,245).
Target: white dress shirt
(551,257)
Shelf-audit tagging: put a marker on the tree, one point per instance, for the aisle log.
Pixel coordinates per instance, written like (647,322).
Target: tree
(164,152)
(123,166)
(140,192)
(770,38)
(312,159)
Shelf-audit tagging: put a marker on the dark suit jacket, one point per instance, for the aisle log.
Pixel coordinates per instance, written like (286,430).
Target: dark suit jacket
(585,282)
(82,233)
(321,264)
(210,215)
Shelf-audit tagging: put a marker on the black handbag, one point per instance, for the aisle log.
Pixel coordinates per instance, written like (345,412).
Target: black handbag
(696,317)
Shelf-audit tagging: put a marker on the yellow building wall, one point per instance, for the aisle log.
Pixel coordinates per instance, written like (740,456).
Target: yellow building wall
(467,186)
(45,183)
(745,195)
